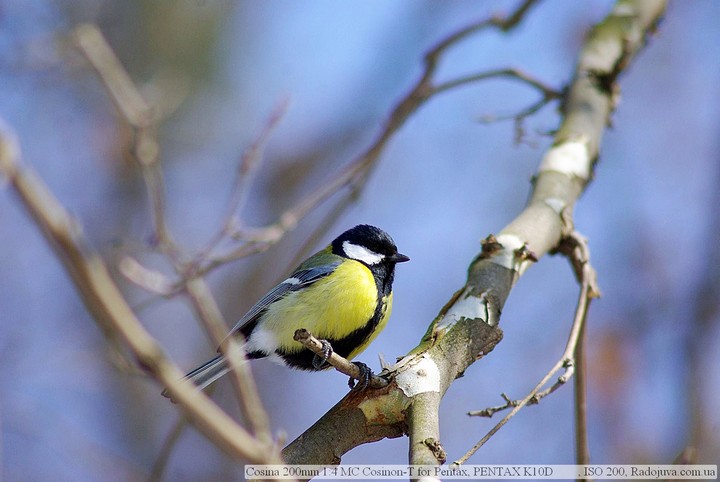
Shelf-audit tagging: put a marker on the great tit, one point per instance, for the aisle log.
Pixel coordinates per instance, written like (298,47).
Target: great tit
(341,294)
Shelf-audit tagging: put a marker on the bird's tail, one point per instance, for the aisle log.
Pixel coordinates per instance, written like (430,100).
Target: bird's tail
(206,374)
(209,372)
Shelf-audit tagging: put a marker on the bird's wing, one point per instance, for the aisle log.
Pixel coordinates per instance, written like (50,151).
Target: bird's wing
(298,280)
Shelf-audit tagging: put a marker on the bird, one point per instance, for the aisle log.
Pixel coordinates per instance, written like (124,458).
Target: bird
(342,294)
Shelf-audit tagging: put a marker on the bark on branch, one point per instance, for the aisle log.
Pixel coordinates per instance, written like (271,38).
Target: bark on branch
(467,327)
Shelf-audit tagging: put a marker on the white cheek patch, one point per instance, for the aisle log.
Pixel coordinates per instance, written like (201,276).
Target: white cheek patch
(361,253)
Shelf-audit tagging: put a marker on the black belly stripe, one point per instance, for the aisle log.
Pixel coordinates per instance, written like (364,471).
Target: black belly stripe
(343,346)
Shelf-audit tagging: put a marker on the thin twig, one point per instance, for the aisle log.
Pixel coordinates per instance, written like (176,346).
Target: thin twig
(357,171)
(576,248)
(517,407)
(548,94)
(547,91)
(249,162)
(341,364)
(110,309)
(582,449)
(139,115)
(502,23)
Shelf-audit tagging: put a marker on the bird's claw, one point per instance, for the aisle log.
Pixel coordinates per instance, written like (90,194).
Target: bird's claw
(319,361)
(364,381)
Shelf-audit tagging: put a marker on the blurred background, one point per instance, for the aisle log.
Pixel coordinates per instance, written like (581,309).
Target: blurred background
(68,411)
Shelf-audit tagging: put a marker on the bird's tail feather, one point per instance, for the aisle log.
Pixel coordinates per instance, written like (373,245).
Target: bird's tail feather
(209,372)
(206,374)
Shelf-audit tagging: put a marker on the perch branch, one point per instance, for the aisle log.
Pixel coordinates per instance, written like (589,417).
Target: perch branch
(466,327)
(340,364)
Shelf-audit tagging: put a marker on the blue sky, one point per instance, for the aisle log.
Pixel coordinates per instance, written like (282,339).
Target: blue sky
(444,182)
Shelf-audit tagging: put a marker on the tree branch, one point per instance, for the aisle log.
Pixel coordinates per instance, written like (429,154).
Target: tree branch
(111,311)
(576,248)
(142,118)
(355,174)
(341,364)
(466,328)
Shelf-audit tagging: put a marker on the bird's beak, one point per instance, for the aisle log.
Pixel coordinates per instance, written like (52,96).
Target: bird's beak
(398,258)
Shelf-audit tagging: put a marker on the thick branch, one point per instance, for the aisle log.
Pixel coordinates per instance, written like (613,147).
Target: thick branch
(576,248)
(466,328)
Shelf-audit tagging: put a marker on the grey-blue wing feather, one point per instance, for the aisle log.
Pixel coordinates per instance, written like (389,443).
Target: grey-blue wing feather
(298,280)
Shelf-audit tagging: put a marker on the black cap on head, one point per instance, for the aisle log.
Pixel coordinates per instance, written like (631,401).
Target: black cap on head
(379,246)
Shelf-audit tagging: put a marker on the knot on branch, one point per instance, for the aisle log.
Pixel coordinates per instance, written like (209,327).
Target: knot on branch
(436,449)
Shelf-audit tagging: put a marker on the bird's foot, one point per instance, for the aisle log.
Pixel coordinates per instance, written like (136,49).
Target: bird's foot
(319,361)
(364,381)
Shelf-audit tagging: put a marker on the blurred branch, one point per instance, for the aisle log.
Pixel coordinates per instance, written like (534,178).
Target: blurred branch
(355,174)
(466,328)
(111,311)
(158,468)
(140,116)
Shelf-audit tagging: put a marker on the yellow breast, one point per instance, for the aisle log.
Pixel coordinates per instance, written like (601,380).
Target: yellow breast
(332,307)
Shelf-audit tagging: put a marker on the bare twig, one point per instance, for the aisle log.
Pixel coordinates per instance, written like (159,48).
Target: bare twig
(340,364)
(139,115)
(357,171)
(504,24)
(111,311)
(490,411)
(548,94)
(249,162)
(156,473)
(582,449)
